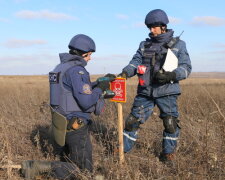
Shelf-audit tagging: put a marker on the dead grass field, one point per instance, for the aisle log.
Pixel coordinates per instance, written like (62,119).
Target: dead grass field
(25,119)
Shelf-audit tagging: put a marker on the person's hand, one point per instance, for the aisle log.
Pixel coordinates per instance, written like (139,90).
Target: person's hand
(108,94)
(111,77)
(107,77)
(103,85)
(165,77)
(123,74)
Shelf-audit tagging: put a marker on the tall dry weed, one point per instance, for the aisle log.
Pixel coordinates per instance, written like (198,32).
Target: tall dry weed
(25,119)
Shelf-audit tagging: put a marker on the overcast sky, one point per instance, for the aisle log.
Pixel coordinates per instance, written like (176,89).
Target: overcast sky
(34,32)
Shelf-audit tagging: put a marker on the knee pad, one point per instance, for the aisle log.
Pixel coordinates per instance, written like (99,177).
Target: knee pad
(132,123)
(170,124)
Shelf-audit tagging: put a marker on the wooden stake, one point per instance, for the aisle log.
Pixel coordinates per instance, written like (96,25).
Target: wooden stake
(10,167)
(120,132)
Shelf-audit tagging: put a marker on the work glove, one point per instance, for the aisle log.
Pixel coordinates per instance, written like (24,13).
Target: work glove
(103,85)
(111,77)
(123,74)
(107,77)
(165,77)
(108,94)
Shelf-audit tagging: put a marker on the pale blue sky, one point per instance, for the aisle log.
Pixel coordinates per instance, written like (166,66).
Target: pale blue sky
(34,32)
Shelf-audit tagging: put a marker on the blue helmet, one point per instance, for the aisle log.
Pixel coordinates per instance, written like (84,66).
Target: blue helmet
(83,43)
(156,17)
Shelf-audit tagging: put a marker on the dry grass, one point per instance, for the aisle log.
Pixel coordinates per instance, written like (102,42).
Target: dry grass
(25,118)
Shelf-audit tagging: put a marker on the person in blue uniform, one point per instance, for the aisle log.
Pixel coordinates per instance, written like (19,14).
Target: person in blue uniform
(73,97)
(157,86)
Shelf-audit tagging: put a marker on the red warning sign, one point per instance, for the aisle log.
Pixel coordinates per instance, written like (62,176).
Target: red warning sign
(119,87)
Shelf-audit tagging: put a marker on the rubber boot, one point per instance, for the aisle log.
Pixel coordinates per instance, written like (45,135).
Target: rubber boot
(30,169)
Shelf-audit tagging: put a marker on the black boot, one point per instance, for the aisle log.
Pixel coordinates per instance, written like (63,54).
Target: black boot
(30,169)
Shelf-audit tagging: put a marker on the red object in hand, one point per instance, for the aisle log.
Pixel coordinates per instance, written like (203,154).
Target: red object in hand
(141,69)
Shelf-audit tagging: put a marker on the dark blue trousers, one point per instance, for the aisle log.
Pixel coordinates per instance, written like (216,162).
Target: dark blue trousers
(143,109)
(79,149)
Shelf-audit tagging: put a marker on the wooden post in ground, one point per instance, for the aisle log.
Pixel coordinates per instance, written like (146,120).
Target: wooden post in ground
(120,132)
(118,86)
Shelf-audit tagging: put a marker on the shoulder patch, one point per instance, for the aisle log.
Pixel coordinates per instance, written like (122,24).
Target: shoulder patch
(87,89)
(54,77)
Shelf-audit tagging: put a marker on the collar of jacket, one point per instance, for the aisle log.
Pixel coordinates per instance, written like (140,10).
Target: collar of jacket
(66,57)
(162,38)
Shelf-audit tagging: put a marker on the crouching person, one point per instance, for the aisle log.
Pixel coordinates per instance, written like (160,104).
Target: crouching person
(73,97)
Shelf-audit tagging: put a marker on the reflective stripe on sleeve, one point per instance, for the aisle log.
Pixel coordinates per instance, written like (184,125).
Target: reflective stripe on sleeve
(129,137)
(132,65)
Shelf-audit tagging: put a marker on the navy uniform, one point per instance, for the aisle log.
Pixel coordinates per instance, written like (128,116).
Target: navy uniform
(73,97)
(77,81)
(156,87)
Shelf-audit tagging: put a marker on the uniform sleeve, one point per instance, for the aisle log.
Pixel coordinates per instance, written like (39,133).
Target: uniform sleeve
(82,90)
(135,62)
(184,63)
(94,84)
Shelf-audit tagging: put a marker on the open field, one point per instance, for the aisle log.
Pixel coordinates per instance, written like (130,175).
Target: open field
(25,119)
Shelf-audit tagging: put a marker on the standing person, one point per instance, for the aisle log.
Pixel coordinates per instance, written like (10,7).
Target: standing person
(156,87)
(72,98)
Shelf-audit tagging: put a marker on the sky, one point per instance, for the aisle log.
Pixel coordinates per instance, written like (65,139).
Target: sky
(34,32)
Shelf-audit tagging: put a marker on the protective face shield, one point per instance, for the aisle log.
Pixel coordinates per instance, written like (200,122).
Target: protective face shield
(82,43)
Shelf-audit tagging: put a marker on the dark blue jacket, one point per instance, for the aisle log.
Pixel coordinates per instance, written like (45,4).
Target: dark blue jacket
(182,71)
(76,81)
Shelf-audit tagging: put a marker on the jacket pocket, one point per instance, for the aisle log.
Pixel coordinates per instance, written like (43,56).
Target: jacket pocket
(167,89)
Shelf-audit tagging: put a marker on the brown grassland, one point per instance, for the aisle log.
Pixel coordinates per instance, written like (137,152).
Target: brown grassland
(25,118)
